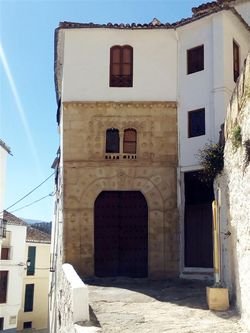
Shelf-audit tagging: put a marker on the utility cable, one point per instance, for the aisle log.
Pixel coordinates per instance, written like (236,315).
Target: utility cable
(26,195)
(33,202)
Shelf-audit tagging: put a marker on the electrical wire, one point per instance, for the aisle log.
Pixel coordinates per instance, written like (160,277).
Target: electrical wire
(26,195)
(33,202)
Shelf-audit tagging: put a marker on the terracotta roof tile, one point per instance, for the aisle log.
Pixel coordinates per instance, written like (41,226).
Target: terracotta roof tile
(198,12)
(33,235)
(211,6)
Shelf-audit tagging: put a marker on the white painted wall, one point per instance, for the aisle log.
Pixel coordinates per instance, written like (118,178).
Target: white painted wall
(87,58)
(73,304)
(15,267)
(212,87)
(193,88)
(243,8)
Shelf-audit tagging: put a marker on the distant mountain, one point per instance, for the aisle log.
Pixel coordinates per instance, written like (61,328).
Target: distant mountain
(31,221)
(43,226)
(40,225)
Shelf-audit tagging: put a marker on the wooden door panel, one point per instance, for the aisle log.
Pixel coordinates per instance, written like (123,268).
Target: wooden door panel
(121,234)
(198,236)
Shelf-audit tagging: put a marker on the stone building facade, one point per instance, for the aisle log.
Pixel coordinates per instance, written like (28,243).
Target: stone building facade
(90,170)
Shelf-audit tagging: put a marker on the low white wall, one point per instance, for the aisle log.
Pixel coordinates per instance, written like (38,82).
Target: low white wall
(73,303)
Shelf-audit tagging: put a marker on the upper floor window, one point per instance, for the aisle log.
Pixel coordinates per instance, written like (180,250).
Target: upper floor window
(195,59)
(196,123)
(31,260)
(129,141)
(112,140)
(121,66)
(236,60)
(5,253)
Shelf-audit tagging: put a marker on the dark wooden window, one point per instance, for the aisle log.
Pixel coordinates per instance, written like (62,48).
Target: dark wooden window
(1,323)
(196,123)
(121,66)
(3,286)
(236,61)
(129,141)
(27,324)
(31,260)
(112,140)
(5,253)
(29,297)
(195,59)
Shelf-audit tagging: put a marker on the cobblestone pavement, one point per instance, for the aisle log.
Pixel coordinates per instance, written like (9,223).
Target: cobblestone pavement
(122,305)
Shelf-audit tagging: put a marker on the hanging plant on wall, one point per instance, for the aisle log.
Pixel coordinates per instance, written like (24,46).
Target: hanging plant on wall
(236,137)
(211,158)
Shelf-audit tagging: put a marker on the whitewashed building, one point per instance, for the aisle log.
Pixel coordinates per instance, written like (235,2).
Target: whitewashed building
(12,257)
(112,79)
(13,263)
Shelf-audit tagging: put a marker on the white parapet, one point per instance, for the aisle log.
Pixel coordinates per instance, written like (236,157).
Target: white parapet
(79,294)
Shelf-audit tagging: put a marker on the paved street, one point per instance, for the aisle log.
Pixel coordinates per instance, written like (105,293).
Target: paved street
(141,306)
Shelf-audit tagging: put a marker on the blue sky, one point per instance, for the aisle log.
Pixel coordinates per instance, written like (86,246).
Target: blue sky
(27,94)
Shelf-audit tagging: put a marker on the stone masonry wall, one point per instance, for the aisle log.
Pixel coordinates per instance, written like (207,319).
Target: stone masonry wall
(73,305)
(234,185)
(88,171)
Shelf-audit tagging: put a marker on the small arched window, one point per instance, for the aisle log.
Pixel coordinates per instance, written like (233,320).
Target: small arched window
(121,66)
(129,141)
(112,140)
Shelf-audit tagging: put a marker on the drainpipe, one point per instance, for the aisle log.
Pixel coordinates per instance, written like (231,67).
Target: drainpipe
(216,239)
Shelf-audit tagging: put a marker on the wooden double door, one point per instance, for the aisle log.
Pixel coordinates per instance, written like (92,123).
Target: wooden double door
(121,234)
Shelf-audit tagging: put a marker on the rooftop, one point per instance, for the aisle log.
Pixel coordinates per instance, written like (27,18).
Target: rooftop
(198,12)
(33,235)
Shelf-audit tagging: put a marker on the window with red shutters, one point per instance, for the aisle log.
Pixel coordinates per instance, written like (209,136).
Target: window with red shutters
(121,66)
(129,141)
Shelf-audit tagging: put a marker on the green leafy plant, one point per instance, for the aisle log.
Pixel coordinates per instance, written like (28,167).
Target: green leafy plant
(236,137)
(211,158)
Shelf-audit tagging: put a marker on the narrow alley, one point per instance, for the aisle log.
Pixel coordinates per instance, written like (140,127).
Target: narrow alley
(139,305)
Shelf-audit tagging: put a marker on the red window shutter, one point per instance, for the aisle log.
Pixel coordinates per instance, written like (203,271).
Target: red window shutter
(129,141)
(121,66)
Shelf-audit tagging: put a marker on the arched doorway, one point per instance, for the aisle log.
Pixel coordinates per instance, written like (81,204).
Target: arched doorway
(121,234)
